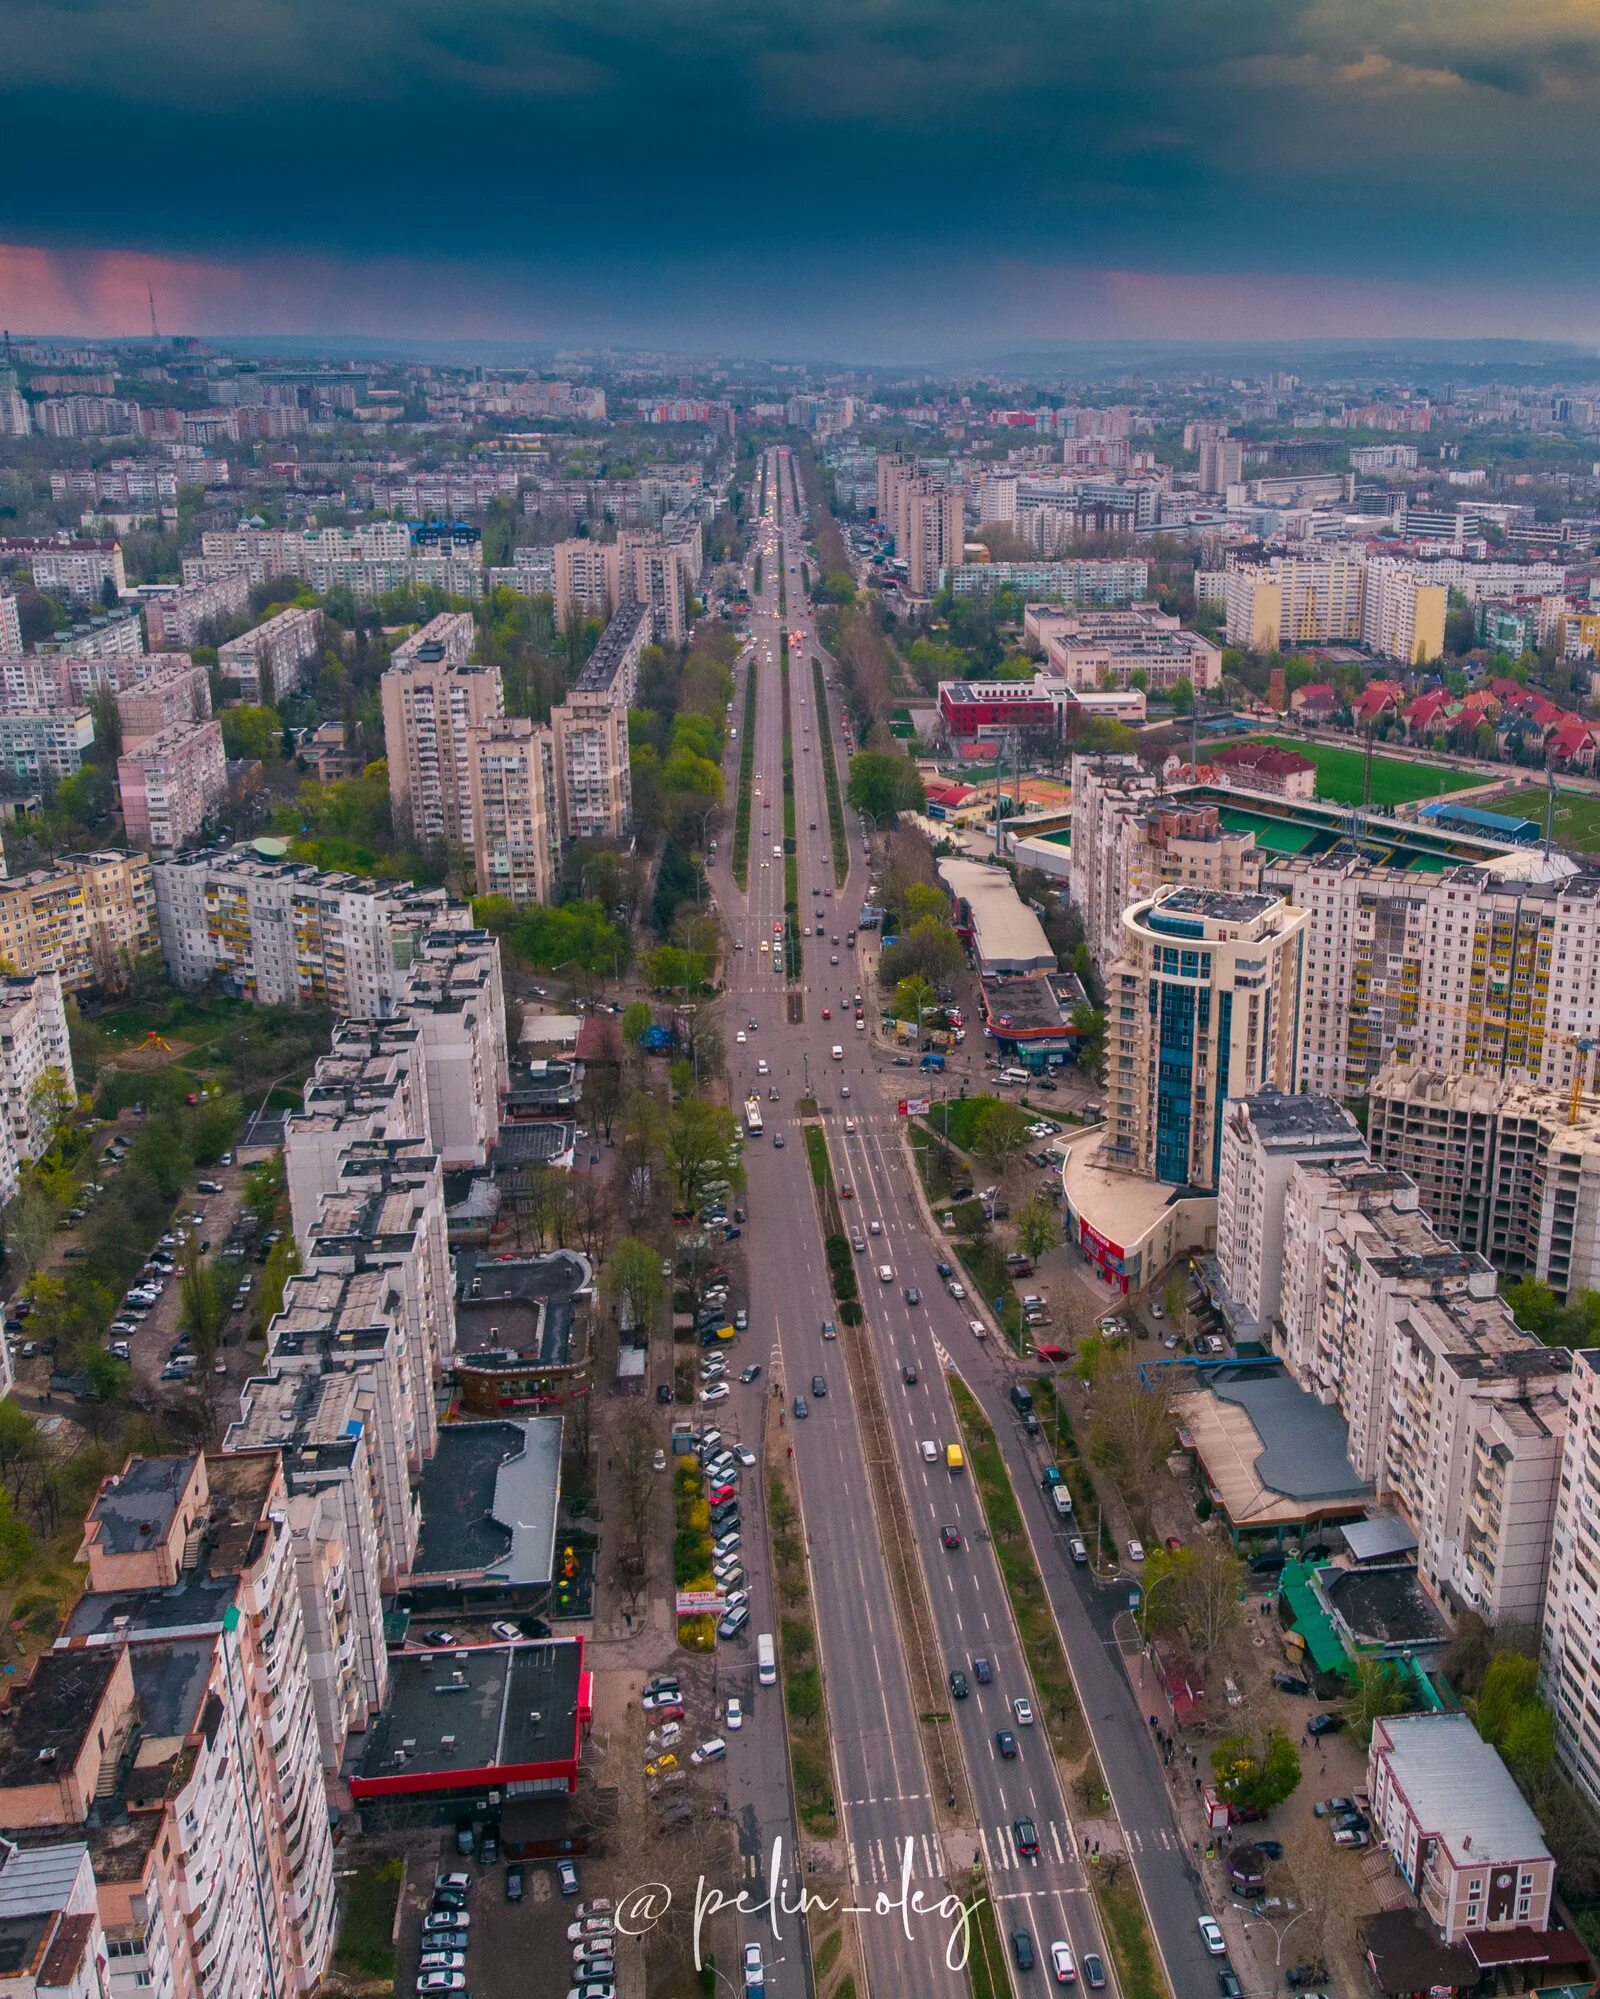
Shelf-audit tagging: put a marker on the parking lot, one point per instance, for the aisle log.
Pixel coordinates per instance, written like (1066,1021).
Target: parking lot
(507,1939)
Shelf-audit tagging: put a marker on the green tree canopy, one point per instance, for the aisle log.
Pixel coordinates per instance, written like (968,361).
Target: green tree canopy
(1256,1770)
(883,784)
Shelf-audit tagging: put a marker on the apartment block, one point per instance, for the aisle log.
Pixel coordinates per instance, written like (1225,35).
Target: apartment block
(1292,601)
(174,694)
(36,1074)
(1502,1166)
(1264,1137)
(85,917)
(333,1522)
(369,1087)
(115,634)
(591,732)
(341,1326)
(1089,649)
(1402,613)
(78,570)
(282,933)
(1455,1414)
(1109,581)
(10,626)
(935,534)
(263,665)
(50,1933)
(588,579)
(1482,968)
(1462,1835)
(176,620)
(455,1000)
(1200,1006)
(1570,1641)
(38,746)
(515,809)
(172,1731)
(653,574)
(431,706)
(450,636)
(173,785)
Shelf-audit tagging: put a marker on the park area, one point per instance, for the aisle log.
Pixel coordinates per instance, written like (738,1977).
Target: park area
(1577,820)
(263,1053)
(1340,774)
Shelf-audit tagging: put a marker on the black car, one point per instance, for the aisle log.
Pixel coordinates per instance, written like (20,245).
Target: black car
(1006,1743)
(1022,1949)
(982,1672)
(664,1391)
(908,1374)
(1228,1985)
(1272,1848)
(1027,1837)
(958,1685)
(944,1269)
(514,1882)
(489,1848)
(1325,1724)
(819,1387)
(1291,1683)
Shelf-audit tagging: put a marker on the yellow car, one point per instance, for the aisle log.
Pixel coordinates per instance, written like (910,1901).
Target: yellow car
(667,1762)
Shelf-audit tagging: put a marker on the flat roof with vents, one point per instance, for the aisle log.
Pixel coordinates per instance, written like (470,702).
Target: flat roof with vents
(463,1717)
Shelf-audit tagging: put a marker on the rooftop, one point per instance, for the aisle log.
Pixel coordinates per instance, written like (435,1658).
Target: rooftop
(1458,1789)
(489,1498)
(135,1508)
(1277,1117)
(474,1708)
(1383,1606)
(606,660)
(522,1305)
(1275,1454)
(1007,933)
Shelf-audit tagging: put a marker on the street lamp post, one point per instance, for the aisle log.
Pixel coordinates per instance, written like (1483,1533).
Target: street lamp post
(1278,1934)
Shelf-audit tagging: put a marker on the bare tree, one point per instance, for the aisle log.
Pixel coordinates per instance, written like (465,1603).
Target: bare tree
(1132,1428)
(634,1453)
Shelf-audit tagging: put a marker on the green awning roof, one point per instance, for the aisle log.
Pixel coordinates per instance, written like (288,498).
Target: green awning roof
(1311,1620)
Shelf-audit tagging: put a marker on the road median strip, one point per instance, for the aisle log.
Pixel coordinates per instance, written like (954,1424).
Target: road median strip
(747,766)
(830,775)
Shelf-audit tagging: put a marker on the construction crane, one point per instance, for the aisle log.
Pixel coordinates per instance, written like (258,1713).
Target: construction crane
(150,293)
(1583,1045)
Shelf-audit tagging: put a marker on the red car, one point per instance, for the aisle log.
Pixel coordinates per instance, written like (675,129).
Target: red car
(827,1013)
(719,1493)
(951,1536)
(846,1191)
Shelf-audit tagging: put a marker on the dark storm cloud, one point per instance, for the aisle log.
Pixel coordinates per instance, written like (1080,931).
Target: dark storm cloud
(675,149)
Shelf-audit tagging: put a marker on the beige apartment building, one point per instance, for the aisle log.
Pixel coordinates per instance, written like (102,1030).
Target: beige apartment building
(515,809)
(263,665)
(1570,1642)
(1292,601)
(1455,1414)
(85,916)
(591,732)
(431,706)
(588,579)
(935,536)
(1129,838)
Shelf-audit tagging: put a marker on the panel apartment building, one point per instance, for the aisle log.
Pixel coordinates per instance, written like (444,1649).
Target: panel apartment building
(591,732)
(1454,1413)
(172,1732)
(1089,649)
(172,785)
(86,916)
(263,665)
(282,933)
(432,704)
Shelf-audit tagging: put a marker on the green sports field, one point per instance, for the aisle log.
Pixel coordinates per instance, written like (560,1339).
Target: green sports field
(1577,822)
(1339,774)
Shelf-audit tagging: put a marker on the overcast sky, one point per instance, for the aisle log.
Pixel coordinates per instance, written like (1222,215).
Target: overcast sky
(874,179)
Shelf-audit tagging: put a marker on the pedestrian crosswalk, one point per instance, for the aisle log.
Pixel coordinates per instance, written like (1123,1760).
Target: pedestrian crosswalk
(1001,1854)
(1160,1836)
(879,1863)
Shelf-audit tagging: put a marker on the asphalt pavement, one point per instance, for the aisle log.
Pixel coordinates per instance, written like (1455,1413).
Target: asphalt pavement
(883,1782)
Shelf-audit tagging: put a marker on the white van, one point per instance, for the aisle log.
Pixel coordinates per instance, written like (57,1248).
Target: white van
(838,1052)
(766,1660)
(1061,1499)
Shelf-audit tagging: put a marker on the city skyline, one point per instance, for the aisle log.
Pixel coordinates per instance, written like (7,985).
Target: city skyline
(916,183)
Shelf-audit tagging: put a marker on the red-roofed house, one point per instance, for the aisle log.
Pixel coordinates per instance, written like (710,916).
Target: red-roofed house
(1315,702)
(1429,712)
(1377,699)
(1482,706)
(1571,741)
(1263,768)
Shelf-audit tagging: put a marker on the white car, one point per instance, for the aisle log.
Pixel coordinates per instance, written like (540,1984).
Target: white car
(735,1715)
(745,1455)
(762,1069)
(956,1288)
(508,1632)
(1136,1551)
(978,1329)
(719,1391)
(1066,1972)
(741,1037)
(709,1752)
(930,1451)
(1211,1937)
(849,1124)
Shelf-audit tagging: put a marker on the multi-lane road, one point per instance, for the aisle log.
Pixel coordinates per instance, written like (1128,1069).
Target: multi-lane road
(891,1825)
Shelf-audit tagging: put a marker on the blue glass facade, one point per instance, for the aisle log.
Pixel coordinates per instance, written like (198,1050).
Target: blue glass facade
(1175,1036)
